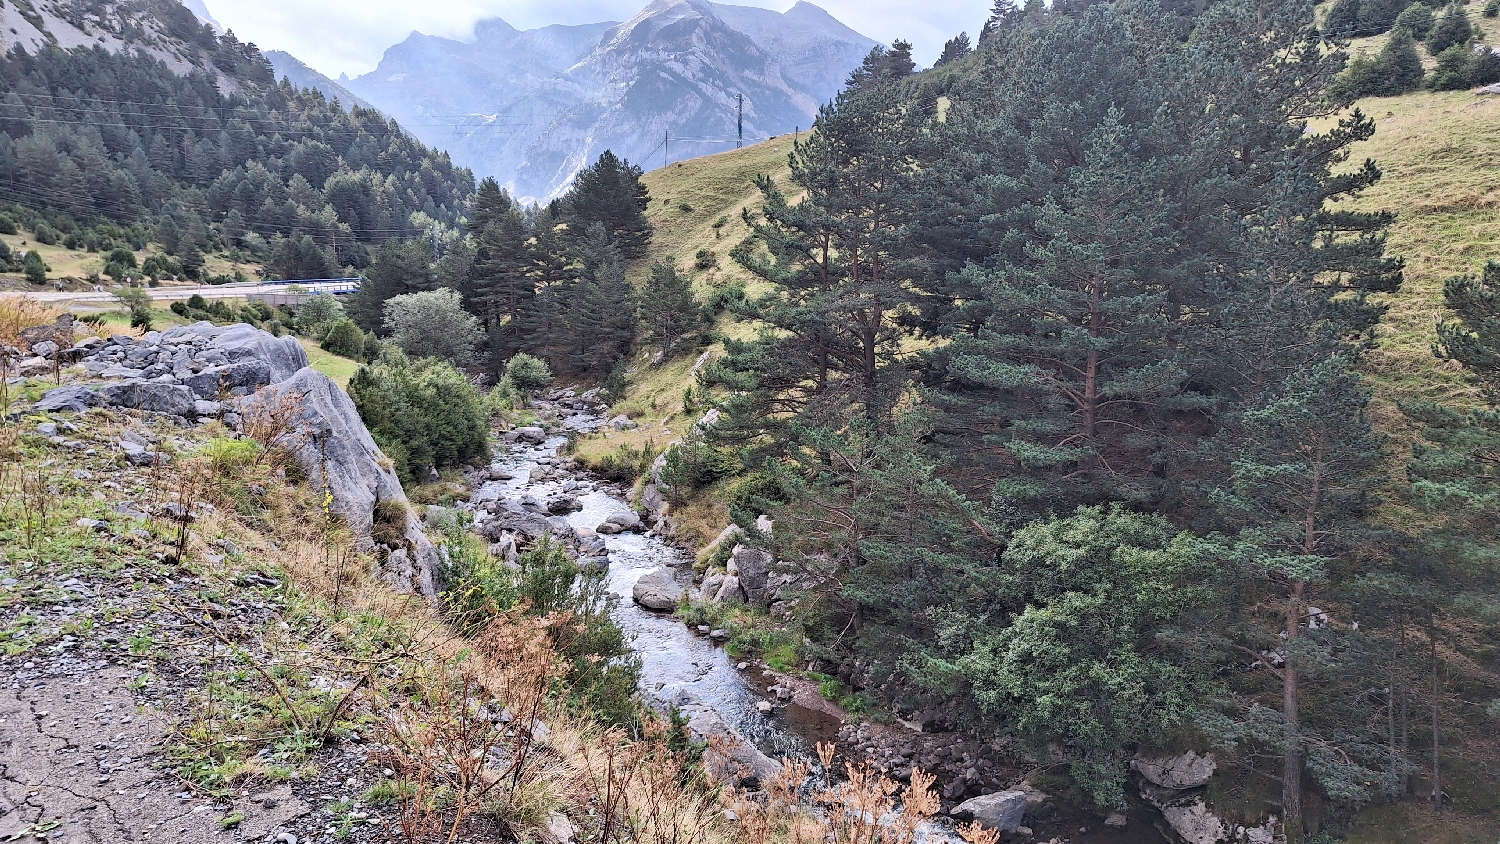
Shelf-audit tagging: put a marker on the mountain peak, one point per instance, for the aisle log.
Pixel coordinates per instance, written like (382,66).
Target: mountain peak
(531,108)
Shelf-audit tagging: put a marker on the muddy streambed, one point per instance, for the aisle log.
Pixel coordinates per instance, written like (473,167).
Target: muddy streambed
(681,667)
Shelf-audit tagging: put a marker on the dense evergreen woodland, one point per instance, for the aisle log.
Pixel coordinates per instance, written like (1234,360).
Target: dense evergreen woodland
(1056,401)
(113,146)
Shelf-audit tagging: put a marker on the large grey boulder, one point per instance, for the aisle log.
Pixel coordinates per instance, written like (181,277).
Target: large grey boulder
(240,378)
(1188,770)
(69,399)
(657,589)
(151,396)
(334,448)
(1003,810)
(283,355)
(622,522)
(753,567)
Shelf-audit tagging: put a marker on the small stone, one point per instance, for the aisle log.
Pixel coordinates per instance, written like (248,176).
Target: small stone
(764,706)
(1116,820)
(47,429)
(286,838)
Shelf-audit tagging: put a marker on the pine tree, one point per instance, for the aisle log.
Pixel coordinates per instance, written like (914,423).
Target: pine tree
(1002,13)
(837,269)
(1397,68)
(1452,28)
(956,48)
(599,311)
(1305,473)
(1342,21)
(1416,19)
(669,311)
(1077,350)
(611,194)
(400,267)
(881,66)
(503,281)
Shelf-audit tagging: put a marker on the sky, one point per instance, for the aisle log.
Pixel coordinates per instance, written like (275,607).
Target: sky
(349,36)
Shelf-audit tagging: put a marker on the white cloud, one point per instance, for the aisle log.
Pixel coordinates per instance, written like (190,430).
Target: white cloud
(349,36)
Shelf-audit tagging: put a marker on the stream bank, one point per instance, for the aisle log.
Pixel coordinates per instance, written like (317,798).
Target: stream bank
(529,491)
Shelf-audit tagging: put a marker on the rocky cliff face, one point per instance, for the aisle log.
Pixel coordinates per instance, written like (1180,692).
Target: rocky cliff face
(532,108)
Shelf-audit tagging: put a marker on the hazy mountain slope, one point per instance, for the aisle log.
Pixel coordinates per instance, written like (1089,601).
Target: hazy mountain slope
(202,13)
(532,108)
(292,68)
(814,49)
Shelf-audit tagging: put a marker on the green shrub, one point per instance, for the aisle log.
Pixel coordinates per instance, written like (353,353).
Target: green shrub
(344,338)
(8,224)
(479,587)
(228,456)
(625,464)
(529,375)
(706,259)
(424,414)
(1491,10)
(748,492)
(694,464)
(34,267)
(47,235)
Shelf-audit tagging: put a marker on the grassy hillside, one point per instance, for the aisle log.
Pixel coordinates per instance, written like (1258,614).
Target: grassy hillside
(695,205)
(1439,153)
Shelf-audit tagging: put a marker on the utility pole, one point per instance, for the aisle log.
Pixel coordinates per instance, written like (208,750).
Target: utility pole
(740,143)
(666,148)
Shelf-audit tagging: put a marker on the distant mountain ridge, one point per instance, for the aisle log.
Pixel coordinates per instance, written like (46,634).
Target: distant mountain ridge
(533,107)
(292,68)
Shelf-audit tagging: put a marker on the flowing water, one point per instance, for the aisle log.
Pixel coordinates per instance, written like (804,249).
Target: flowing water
(678,666)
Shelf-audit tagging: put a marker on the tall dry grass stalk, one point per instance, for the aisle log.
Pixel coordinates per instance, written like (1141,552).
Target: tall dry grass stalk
(19,312)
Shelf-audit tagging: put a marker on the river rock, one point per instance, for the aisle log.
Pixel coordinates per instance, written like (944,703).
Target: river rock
(622,522)
(45,349)
(1195,824)
(358,474)
(173,399)
(1003,811)
(1188,770)
(68,399)
(623,423)
(530,434)
(563,505)
(752,566)
(657,589)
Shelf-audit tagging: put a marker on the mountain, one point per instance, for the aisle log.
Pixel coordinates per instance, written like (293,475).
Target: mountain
(533,107)
(290,67)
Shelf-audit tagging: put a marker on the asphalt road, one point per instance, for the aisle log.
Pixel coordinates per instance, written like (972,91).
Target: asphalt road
(207,291)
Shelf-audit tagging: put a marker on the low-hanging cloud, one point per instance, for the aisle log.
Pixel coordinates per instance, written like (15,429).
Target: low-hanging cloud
(349,36)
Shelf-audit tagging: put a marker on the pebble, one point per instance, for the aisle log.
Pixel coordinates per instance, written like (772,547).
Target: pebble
(286,838)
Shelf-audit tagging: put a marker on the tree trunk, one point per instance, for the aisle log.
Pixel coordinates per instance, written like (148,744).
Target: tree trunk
(1291,774)
(1437,775)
